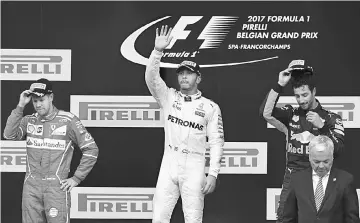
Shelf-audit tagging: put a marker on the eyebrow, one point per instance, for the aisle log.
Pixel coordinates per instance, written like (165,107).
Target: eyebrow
(321,160)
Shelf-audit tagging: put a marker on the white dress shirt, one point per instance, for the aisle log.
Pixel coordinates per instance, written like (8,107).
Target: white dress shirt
(315,179)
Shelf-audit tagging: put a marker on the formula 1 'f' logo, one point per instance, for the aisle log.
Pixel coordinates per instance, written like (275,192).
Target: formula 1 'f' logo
(213,34)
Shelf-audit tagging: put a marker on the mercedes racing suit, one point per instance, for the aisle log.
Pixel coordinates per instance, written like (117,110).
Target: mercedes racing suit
(188,121)
(49,146)
(292,122)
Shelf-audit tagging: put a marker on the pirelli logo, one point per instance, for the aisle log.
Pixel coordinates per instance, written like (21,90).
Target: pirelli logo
(348,107)
(33,64)
(242,158)
(12,156)
(272,202)
(117,111)
(112,203)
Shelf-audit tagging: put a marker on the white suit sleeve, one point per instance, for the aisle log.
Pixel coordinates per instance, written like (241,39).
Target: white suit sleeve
(155,83)
(215,133)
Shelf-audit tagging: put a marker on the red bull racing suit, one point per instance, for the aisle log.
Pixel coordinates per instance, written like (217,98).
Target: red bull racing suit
(49,144)
(292,122)
(188,121)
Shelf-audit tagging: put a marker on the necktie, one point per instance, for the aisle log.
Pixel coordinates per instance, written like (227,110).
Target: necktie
(319,194)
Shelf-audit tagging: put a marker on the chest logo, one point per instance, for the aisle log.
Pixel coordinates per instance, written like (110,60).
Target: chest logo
(35,129)
(295,118)
(59,131)
(177,105)
(304,137)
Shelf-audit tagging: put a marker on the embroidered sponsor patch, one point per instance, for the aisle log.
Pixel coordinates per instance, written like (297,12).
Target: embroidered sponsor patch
(46,143)
(53,212)
(88,137)
(60,131)
(202,114)
(35,129)
(295,118)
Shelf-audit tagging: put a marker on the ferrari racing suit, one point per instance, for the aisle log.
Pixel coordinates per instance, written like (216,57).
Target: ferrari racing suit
(49,146)
(189,119)
(292,122)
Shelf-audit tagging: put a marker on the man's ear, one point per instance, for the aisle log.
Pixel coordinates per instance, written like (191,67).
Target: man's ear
(314,91)
(198,79)
(51,97)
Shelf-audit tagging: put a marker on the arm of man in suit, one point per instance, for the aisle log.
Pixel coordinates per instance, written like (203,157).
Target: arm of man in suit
(351,203)
(290,206)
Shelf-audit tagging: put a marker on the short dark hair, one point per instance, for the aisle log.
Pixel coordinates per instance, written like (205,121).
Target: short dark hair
(301,78)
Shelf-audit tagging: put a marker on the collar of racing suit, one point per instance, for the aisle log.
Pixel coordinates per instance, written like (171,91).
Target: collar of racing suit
(317,109)
(191,97)
(50,116)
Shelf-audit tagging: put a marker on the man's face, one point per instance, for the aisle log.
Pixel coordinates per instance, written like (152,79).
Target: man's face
(187,79)
(43,104)
(304,96)
(321,160)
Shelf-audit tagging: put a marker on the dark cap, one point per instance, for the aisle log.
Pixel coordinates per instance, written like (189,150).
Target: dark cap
(41,87)
(300,65)
(190,65)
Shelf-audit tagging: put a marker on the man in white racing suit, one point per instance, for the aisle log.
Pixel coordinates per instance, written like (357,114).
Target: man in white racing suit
(189,119)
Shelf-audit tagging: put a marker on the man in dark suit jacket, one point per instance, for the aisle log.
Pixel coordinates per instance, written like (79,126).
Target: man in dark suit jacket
(321,194)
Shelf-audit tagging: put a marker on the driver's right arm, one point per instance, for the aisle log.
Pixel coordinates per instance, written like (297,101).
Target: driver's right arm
(15,128)
(155,83)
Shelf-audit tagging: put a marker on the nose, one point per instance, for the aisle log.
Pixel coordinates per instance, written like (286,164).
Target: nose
(302,100)
(321,165)
(37,104)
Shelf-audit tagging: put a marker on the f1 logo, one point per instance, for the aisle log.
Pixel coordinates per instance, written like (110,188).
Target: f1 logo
(213,34)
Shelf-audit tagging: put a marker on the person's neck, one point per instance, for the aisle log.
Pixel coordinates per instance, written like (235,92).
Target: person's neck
(51,110)
(189,91)
(314,104)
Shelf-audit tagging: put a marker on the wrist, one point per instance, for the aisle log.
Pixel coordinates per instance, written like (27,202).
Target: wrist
(21,105)
(281,84)
(212,176)
(159,50)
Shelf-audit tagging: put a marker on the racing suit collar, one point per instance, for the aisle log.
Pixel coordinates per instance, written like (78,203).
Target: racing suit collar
(318,107)
(191,97)
(50,116)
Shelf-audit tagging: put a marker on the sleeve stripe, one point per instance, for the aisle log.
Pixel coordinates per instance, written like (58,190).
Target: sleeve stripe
(339,131)
(22,133)
(90,155)
(87,145)
(9,137)
(68,114)
(267,113)
(60,116)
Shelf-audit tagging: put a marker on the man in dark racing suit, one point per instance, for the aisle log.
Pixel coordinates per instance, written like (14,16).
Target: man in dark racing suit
(50,136)
(300,124)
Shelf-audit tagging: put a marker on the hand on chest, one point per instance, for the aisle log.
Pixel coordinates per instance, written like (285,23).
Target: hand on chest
(300,123)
